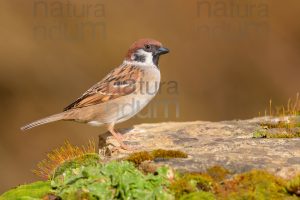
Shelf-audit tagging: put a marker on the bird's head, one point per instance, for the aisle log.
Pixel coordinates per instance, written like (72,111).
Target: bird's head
(146,51)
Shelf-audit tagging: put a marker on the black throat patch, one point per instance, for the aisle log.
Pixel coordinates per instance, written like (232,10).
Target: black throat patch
(155,59)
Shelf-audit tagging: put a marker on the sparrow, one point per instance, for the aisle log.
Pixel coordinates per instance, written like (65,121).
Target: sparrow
(120,95)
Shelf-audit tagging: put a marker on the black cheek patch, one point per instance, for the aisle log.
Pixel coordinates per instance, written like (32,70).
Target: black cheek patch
(139,58)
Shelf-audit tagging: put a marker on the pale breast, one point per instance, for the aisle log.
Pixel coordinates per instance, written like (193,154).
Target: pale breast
(125,107)
(147,88)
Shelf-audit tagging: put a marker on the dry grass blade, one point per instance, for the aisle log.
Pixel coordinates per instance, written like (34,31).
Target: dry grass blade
(291,109)
(58,156)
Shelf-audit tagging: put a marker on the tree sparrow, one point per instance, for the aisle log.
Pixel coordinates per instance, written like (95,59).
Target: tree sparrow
(121,94)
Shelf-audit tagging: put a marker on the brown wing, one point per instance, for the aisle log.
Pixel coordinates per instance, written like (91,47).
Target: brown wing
(119,82)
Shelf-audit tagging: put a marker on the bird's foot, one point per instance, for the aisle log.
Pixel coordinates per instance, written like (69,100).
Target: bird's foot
(127,147)
(121,136)
(123,147)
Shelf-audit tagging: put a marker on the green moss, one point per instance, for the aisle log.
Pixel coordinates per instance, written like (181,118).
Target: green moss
(114,180)
(85,160)
(282,129)
(280,124)
(138,157)
(84,177)
(33,191)
(218,173)
(121,180)
(198,196)
(293,186)
(203,181)
(260,134)
(284,125)
(182,186)
(253,185)
(283,134)
(148,167)
(190,183)
(160,153)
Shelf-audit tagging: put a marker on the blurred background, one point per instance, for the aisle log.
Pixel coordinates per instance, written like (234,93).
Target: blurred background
(228,58)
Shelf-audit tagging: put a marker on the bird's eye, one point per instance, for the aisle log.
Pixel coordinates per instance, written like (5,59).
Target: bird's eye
(147,46)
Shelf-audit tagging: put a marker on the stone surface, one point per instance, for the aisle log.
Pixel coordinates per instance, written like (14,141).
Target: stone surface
(229,144)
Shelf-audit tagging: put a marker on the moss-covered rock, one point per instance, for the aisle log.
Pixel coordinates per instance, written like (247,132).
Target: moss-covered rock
(122,180)
(84,176)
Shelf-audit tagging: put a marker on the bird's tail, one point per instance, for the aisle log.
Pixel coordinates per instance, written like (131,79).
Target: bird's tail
(52,118)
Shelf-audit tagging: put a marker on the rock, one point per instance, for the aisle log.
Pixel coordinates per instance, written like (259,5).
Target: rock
(229,144)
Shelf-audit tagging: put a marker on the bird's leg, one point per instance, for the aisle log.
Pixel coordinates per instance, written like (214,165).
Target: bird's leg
(121,137)
(118,137)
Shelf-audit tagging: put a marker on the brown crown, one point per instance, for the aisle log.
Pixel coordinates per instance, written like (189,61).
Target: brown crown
(140,44)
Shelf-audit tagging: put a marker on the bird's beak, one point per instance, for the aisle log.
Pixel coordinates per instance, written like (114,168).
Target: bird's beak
(162,51)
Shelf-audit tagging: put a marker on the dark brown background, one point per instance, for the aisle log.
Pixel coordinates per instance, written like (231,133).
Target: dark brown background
(226,66)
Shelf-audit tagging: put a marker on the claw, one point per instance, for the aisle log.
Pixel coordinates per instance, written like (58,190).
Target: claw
(119,137)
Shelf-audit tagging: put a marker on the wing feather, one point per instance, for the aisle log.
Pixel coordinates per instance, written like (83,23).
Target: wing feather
(119,82)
